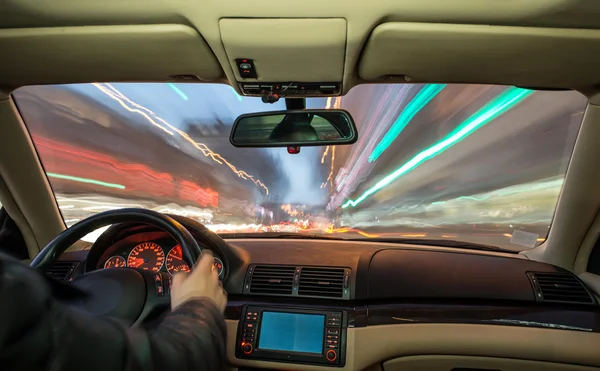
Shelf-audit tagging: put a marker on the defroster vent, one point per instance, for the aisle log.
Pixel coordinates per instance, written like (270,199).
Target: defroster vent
(272,279)
(559,288)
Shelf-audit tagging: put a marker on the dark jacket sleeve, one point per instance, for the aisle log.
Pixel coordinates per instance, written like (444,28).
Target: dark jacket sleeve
(39,333)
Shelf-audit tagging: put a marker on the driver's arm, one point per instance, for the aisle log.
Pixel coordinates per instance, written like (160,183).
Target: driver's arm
(39,333)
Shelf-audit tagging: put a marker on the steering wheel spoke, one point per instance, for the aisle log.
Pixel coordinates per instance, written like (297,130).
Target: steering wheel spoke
(158,295)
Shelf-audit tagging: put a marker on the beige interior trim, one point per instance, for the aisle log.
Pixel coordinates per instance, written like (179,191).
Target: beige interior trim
(445,363)
(482,54)
(104,53)
(362,17)
(374,344)
(592,281)
(25,191)
(304,50)
(579,199)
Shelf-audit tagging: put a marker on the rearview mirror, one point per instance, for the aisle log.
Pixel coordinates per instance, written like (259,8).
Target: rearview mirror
(311,127)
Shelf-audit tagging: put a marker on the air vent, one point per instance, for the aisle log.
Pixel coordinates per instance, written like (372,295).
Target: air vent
(62,270)
(559,288)
(272,279)
(322,282)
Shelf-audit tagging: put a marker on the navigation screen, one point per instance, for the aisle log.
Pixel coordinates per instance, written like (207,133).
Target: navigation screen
(292,332)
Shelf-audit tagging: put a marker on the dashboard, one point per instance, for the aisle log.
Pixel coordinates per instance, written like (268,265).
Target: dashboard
(309,304)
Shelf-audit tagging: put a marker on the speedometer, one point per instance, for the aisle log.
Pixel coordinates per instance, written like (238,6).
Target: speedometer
(148,256)
(175,261)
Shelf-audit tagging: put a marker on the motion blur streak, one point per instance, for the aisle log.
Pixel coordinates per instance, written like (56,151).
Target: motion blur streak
(137,177)
(133,109)
(119,97)
(346,230)
(324,154)
(423,97)
(85,180)
(331,168)
(178,91)
(495,108)
(377,120)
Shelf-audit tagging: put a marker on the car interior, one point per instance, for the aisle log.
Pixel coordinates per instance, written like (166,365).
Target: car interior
(300,301)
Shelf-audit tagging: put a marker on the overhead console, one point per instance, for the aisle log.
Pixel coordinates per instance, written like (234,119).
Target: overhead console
(291,89)
(289,57)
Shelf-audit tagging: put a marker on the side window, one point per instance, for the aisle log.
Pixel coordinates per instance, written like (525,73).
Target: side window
(11,239)
(594,259)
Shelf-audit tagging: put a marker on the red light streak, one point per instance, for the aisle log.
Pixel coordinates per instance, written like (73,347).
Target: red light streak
(137,178)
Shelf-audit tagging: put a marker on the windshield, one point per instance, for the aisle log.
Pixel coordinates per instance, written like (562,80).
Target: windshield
(474,163)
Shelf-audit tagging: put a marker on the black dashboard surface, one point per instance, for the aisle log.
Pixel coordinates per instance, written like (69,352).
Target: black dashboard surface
(448,275)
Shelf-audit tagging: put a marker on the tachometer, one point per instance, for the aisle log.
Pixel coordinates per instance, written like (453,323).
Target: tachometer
(219,266)
(176,264)
(148,256)
(115,262)
(175,261)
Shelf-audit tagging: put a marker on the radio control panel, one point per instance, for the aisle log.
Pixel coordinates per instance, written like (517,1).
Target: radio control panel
(293,335)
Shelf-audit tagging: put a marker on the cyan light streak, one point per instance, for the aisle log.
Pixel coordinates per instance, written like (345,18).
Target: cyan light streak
(239,97)
(85,180)
(178,91)
(495,108)
(420,100)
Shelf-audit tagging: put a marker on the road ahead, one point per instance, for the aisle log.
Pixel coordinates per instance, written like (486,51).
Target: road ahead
(461,162)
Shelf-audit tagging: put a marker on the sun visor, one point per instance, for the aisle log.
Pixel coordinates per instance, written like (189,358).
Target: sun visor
(282,50)
(522,56)
(105,53)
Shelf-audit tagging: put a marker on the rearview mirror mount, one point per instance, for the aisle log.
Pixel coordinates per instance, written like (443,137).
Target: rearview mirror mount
(294,128)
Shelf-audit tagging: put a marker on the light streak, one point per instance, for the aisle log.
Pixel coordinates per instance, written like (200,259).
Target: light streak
(324,154)
(494,109)
(70,199)
(106,91)
(539,239)
(330,229)
(178,91)
(555,184)
(420,100)
(85,180)
(331,170)
(239,97)
(116,95)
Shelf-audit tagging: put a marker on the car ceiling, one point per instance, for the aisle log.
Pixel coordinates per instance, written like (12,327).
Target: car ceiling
(512,42)
(528,43)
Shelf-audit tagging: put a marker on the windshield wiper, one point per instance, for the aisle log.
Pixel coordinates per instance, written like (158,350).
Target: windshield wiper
(311,236)
(439,242)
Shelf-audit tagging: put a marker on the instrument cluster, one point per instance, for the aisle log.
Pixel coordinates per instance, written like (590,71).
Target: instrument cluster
(153,257)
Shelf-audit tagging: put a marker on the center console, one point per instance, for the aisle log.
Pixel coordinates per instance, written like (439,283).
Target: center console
(292,335)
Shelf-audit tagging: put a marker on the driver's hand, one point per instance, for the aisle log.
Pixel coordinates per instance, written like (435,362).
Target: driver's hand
(201,282)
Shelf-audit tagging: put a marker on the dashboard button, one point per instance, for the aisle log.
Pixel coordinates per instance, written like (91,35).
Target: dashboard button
(247,348)
(331,355)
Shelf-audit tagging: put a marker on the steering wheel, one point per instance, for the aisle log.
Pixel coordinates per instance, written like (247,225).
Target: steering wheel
(125,293)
